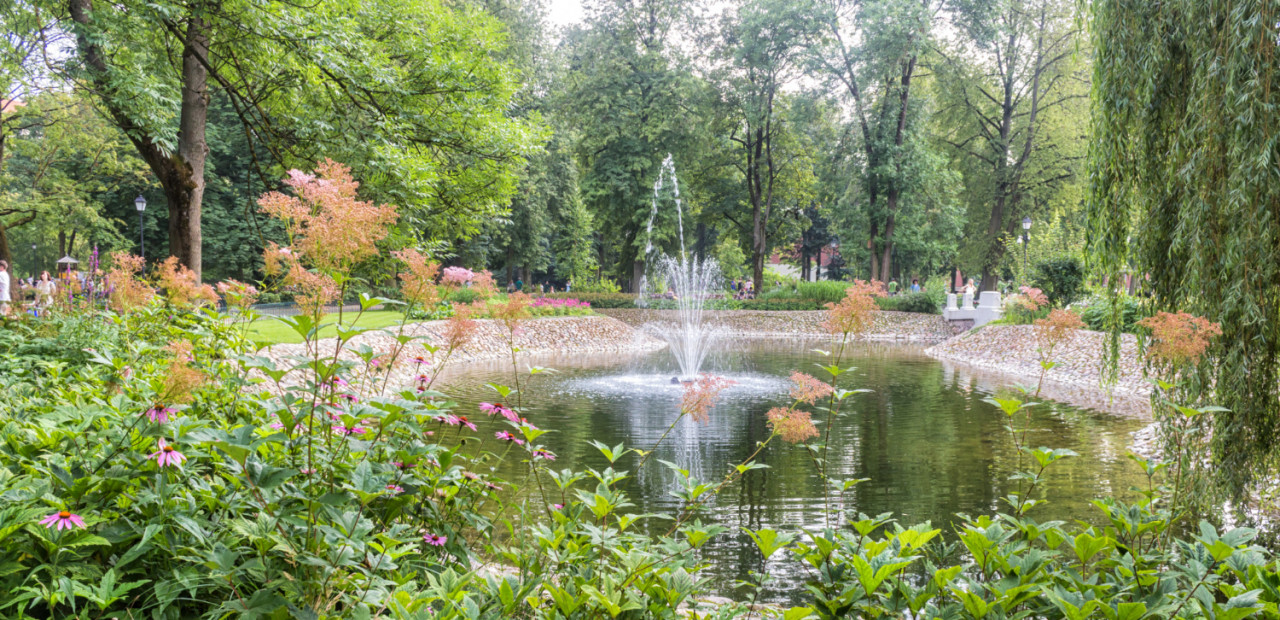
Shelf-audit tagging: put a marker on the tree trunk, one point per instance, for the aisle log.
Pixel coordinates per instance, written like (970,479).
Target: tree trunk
(6,253)
(181,173)
(637,274)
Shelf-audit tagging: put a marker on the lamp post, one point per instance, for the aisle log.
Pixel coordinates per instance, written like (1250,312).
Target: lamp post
(141,204)
(1026,241)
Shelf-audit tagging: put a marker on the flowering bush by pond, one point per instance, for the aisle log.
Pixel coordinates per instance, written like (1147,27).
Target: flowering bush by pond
(154,464)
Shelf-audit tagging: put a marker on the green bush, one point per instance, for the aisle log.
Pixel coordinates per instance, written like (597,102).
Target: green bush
(464,296)
(910,302)
(600,285)
(1098,312)
(823,290)
(1061,279)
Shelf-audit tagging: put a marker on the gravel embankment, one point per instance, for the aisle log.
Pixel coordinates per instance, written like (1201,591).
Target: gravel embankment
(570,334)
(904,326)
(1012,349)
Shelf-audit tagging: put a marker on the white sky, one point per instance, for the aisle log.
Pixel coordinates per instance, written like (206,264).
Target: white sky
(564,12)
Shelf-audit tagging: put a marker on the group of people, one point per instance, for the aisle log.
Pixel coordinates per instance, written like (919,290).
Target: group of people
(517,285)
(43,289)
(743,289)
(893,286)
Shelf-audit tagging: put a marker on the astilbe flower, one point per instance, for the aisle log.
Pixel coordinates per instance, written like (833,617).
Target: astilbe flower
(63,520)
(792,425)
(483,283)
(701,395)
(513,311)
(182,285)
(456,276)
(808,389)
(311,291)
(181,380)
(418,282)
(237,294)
(167,455)
(1032,298)
(326,221)
(1179,339)
(127,290)
(856,312)
(1055,329)
(460,328)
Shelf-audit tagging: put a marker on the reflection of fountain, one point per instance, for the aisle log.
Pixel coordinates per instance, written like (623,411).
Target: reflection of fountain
(684,282)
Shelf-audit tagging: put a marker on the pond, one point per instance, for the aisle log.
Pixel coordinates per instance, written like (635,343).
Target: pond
(929,445)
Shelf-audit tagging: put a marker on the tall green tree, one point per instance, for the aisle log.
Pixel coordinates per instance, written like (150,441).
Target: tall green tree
(760,52)
(872,50)
(629,90)
(408,92)
(1184,185)
(1015,85)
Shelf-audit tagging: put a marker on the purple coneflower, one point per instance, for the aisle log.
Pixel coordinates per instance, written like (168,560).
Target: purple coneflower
(395,489)
(544,454)
(349,397)
(509,436)
(160,413)
(435,540)
(167,455)
(63,520)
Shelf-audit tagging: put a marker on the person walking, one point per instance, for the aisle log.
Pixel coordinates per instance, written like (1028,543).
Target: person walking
(4,287)
(915,285)
(893,286)
(45,289)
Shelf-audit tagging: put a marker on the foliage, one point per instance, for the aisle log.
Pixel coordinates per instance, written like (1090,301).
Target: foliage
(1061,279)
(596,285)
(598,300)
(910,302)
(822,290)
(1165,138)
(1098,314)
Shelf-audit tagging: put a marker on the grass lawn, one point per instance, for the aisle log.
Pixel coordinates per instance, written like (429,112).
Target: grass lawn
(270,330)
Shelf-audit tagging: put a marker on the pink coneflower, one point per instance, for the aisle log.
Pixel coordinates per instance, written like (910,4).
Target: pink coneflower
(544,454)
(338,382)
(462,419)
(492,486)
(167,455)
(470,475)
(349,397)
(498,409)
(421,361)
(509,436)
(435,540)
(395,489)
(401,465)
(558,506)
(160,413)
(307,471)
(63,520)
(347,431)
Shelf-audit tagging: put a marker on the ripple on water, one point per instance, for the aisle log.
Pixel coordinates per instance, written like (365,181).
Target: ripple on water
(745,385)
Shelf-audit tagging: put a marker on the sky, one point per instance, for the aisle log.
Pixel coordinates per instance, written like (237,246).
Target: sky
(564,12)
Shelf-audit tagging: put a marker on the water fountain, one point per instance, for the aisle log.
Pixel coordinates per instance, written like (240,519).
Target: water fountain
(684,281)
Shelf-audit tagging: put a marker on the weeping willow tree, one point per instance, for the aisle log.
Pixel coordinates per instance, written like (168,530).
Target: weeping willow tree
(1185,184)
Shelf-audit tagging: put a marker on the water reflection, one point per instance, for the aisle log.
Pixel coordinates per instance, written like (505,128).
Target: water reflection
(928,444)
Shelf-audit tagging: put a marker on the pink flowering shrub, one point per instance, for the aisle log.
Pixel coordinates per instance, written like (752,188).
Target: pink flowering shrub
(558,306)
(456,276)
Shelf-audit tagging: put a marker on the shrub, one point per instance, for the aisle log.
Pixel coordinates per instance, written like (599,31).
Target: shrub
(599,285)
(910,302)
(1098,312)
(1061,279)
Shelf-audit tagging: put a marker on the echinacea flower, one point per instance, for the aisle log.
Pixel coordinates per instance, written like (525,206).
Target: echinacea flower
(347,431)
(349,397)
(509,436)
(462,419)
(491,486)
(558,506)
(544,454)
(419,360)
(498,409)
(63,520)
(306,471)
(395,489)
(167,455)
(435,540)
(402,465)
(160,413)
(470,475)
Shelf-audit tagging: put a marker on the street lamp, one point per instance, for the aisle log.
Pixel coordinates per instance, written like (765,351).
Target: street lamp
(1026,241)
(141,204)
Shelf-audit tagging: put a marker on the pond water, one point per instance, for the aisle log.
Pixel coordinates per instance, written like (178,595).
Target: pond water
(929,445)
